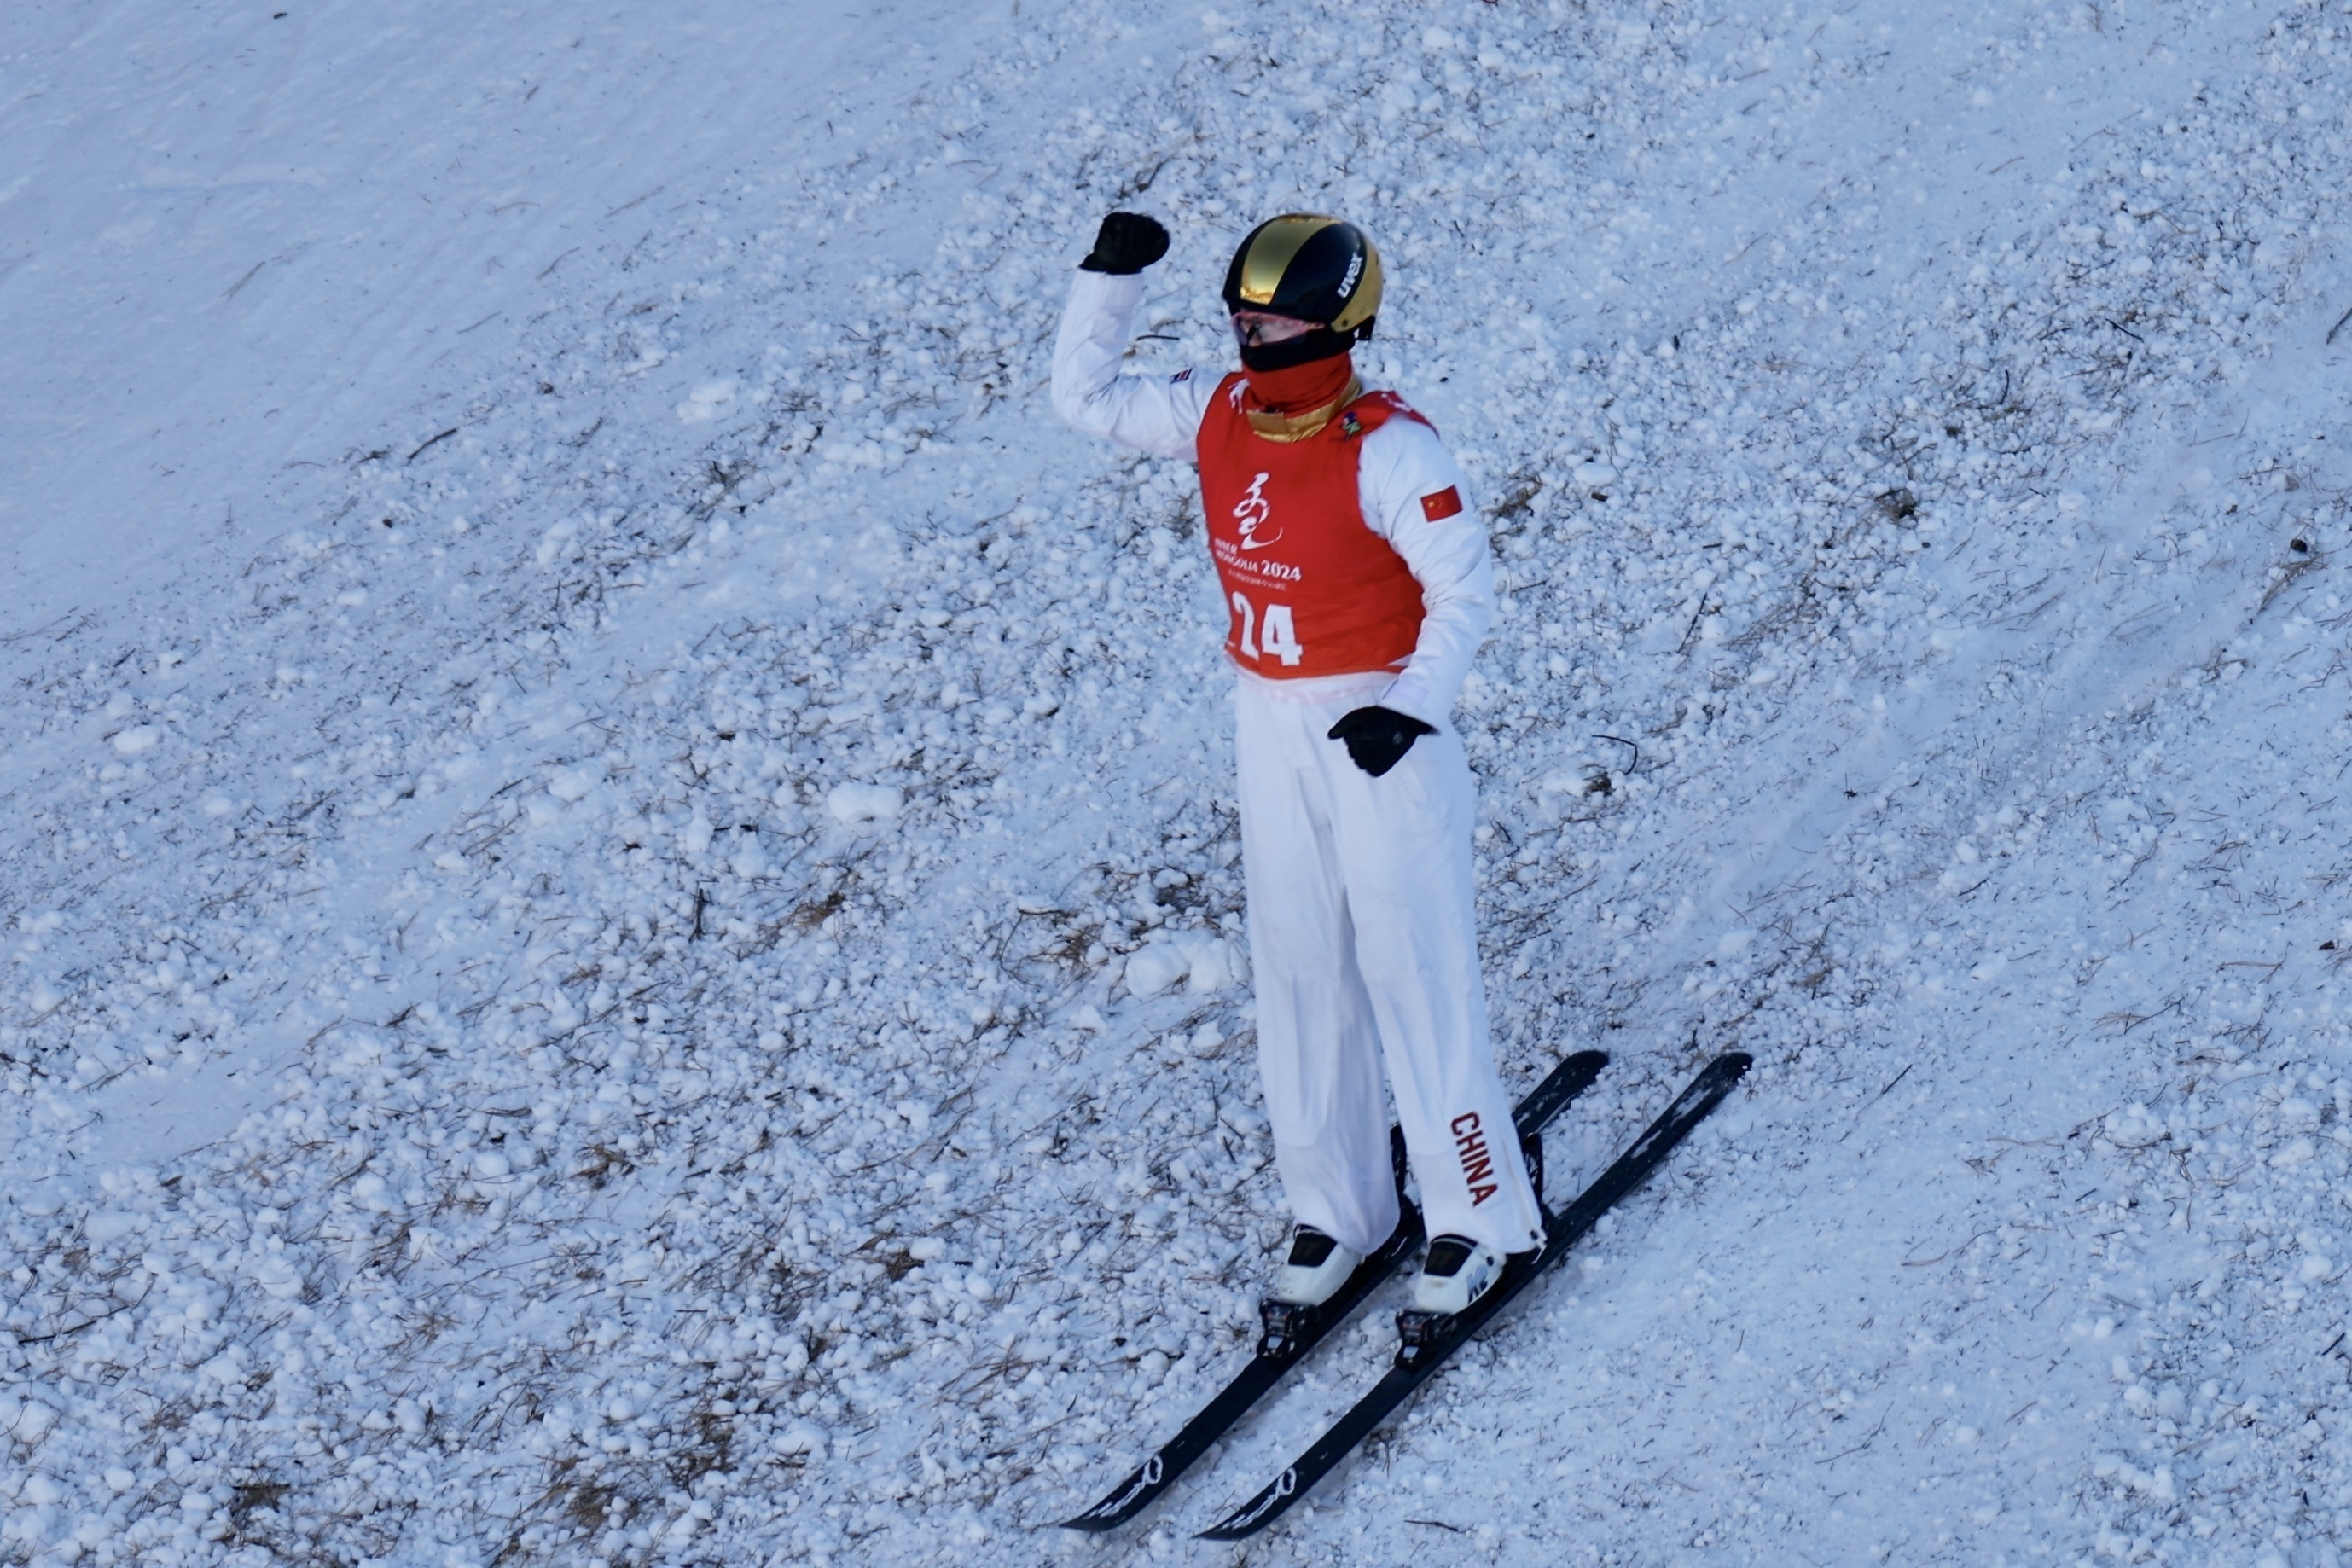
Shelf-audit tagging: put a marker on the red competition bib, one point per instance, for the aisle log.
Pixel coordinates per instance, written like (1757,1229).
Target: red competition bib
(1312,591)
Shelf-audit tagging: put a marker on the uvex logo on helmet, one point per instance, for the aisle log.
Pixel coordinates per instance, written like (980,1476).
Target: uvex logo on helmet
(1310,268)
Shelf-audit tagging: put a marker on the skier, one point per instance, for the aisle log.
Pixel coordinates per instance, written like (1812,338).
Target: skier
(1357,586)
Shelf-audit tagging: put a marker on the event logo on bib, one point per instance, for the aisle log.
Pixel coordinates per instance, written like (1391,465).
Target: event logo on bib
(1251,512)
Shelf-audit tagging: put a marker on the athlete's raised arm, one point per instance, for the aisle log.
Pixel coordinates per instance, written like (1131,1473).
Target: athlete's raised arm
(1156,414)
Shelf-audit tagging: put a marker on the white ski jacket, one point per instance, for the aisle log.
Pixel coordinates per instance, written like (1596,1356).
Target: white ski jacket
(1401,461)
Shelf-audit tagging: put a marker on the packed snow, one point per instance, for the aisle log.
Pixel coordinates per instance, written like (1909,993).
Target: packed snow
(619,874)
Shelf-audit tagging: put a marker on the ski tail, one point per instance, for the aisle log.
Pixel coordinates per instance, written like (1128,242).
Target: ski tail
(1415,1365)
(1144,1485)
(1562,1084)
(1674,1125)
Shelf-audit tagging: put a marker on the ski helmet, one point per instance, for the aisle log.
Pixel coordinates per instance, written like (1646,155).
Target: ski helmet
(1310,268)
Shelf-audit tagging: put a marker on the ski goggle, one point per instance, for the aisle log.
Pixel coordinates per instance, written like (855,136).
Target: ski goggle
(1255,329)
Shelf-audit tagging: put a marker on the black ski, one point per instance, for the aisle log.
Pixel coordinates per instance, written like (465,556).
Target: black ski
(1278,1353)
(1416,1364)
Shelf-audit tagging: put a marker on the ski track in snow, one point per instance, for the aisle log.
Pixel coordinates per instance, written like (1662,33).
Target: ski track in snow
(658,980)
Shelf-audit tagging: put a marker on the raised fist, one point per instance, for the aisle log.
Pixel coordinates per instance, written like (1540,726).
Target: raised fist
(1127,243)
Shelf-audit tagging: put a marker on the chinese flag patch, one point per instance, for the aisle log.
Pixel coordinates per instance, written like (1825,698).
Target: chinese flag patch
(1445,504)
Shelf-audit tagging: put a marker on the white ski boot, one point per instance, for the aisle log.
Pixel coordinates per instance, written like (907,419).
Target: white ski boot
(1318,1266)
(1315,1271)
(1456,1272)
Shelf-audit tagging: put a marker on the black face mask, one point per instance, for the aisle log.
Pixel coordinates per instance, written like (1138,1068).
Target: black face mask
(1320,344)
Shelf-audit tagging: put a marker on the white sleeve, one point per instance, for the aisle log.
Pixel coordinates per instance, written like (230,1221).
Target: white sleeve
(1403,463)
(1156,414)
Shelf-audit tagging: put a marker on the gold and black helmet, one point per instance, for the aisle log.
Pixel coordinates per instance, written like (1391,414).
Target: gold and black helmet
(1310,268)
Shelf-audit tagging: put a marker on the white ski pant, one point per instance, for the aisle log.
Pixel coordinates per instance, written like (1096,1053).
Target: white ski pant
(1365,952)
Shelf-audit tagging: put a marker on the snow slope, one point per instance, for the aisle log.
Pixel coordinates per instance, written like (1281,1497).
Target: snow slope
(656,979)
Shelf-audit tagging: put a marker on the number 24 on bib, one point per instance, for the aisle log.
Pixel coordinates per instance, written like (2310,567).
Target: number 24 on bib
(1277,639)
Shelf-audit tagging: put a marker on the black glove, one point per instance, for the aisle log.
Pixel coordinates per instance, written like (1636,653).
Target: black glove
(1377,738)
(1127,243)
